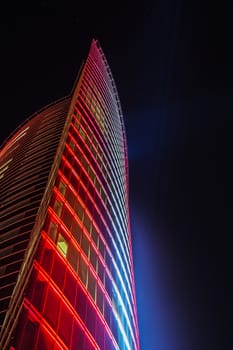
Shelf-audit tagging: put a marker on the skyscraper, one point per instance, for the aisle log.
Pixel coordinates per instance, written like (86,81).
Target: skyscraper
(66,266)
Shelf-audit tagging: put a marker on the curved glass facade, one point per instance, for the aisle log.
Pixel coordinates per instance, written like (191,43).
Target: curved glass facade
(74,284)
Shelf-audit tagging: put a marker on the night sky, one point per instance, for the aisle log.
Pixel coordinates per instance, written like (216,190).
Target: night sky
(172,64)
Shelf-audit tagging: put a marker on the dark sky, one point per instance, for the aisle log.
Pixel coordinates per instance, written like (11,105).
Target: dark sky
(172,63)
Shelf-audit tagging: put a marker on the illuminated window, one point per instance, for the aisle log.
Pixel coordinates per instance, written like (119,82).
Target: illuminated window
(70,197)
(95,236)
(58,207)
(65,325)
(83,271)
(62,187)
(102,248)
(92,175)
(73,257)
(67,218)
(72,145)
(87,222)
(52,231)
(79,210)
(58,271)
(94,259)
(77,336)
(76,231)
(101,272)
(44,341)
(85,245)
(62,244)
(99,333)
(80,306)
(90,321)
(76,124)
(51,310)
(82,133)
(100,299)
(92,286)
(70,287)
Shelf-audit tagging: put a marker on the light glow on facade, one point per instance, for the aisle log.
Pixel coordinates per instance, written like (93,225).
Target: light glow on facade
(66,253)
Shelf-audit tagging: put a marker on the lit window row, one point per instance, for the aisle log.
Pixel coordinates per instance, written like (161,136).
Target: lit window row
(74,295)
(90,204)
(93,70)
(107,173)
(78,152)
(80,211)
(56,321)
(66,217)
(118,140)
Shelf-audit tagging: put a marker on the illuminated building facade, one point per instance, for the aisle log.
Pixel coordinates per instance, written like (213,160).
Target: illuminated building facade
(66,268)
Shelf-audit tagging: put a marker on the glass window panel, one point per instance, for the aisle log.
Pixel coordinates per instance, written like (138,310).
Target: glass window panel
(28,335)
(95,236)
(74,182)
(58,207)
(62,244)
(52,230)
(115,328)
(44,341)
(85,245)
(91,318)
(89,206)
(76,231)
(99,333)
(58,272)
(82,191)
(87,345)
(47,259)
(67,218)
(70,287)
(65,325)
(77,337)
(107,313)
(101,248)
(108,285)
(76,124)
(83,270)
(101,271)
(91,189)
(77,167)
(94,259)
(84,162)
(91,173)
(97,184)
(87,222)
(79,210)
(52,308)
(108,260)
(70,197)
(91,286)
(80,304)
(72,145)
(82,133)
(66,171)
(100,299)
(62,187)
(38,293)
(69,157)
(79,154)
(73,257)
